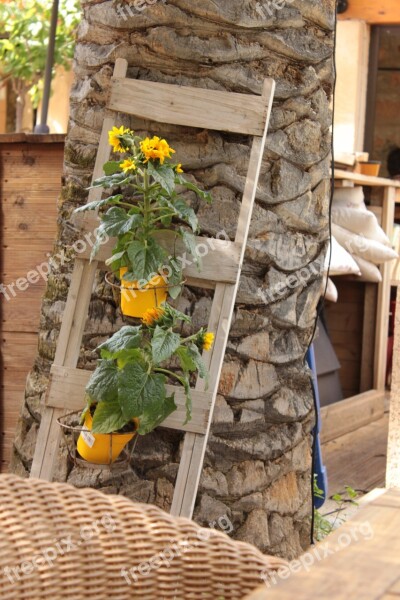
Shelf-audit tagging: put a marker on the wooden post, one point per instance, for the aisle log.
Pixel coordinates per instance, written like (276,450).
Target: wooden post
(393,454)
(382,324)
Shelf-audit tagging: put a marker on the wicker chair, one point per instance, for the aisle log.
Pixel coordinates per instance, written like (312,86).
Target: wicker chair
(57,541)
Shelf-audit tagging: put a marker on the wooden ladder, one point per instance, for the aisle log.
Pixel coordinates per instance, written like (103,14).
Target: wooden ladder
(192,107)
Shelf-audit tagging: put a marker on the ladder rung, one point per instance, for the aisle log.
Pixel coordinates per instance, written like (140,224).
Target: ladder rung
(67,390)
(220,260)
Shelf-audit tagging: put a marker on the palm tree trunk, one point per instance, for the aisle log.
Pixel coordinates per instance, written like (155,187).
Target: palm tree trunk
(257,470)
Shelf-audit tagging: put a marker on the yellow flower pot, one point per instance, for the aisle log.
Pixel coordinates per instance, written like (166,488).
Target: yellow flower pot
(135,302)
(97,448)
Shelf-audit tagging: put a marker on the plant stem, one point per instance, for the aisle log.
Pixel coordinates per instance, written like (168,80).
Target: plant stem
(171,374)
(146,196)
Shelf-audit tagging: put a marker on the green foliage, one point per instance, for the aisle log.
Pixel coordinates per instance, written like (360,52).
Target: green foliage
(23,52)
(324,526)
(131,376)
(145,203)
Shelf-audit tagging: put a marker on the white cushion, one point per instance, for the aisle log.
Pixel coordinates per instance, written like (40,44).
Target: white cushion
(330,290)
(369,271)
(342,263)
(348,197)
(363,222)
(359,245)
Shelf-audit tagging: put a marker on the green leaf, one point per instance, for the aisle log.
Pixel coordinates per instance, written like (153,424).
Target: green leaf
(132,380)
(186,213)
(99,203)
(146,259)
(103,383)
(188,403)
(187,363)
(115,257)
(117,222)
(112,166)
(126,338)
(195,355)
(163,344)
(164,175)
(175,278)
(110,181)
(108,417)
(206,196)
(155,414)
(190,242)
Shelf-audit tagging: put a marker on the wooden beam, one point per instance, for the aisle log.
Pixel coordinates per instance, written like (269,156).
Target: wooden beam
(365,179)
(350,414)
(375,12)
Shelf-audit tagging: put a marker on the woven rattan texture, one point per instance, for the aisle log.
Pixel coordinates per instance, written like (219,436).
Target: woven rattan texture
(60,542)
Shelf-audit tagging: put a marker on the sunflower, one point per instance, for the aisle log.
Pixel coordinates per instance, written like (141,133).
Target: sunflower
(128,165)
(207,341)
(178,168)
(152,316)
(114,138)
(156,148)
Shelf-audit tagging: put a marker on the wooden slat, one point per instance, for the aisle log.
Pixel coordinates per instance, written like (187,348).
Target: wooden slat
(382,321)
(189,106)
(67,391)
(220,262)
(350,414)
(222,310)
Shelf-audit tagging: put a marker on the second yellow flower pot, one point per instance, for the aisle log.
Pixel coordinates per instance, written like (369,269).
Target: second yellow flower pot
(102,448)
(135,301)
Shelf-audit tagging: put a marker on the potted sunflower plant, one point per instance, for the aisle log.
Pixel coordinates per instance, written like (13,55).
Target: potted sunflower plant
(127,394)
(145,206)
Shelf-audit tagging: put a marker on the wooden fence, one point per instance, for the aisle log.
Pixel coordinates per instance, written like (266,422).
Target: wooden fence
(30,183)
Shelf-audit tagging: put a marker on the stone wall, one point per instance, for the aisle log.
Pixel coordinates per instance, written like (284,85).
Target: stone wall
(257,469)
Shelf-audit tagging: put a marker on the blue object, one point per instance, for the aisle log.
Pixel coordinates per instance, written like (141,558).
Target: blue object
(319,467)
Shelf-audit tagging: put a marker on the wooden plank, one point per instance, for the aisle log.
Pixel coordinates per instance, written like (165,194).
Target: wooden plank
(379,12)
(67,391)
(222,310)
(190,106)
(350,414)
(393,452)
(366,180)
(361,559)
(382,319)
(358,458)
(220,262)
(19,350)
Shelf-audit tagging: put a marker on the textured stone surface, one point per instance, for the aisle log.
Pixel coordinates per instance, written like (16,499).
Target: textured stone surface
(257,468)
